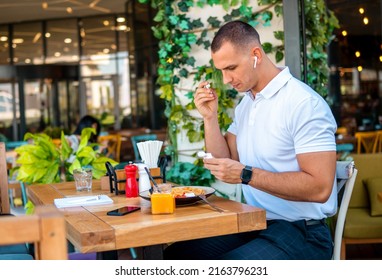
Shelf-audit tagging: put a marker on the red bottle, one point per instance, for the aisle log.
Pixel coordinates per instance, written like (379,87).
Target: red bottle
(131,180)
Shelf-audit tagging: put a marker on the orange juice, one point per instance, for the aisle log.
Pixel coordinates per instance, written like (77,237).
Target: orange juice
(162,203)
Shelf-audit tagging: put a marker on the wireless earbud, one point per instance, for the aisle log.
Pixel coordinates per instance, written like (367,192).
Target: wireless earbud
(255,64)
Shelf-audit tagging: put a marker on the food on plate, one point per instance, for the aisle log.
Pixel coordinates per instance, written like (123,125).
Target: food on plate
(183,192)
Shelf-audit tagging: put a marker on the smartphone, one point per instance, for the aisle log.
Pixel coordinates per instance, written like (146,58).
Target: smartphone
(123,211)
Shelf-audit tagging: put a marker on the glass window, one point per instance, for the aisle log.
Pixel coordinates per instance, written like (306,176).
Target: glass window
(356,53)
(122,28)
(27,43)
(62,41)
(4,45)
(98,43)
(98,36)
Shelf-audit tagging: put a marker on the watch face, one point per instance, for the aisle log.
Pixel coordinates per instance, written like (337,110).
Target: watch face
(246,175)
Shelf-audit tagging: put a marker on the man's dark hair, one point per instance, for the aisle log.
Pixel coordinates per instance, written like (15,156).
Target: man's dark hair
(238,33)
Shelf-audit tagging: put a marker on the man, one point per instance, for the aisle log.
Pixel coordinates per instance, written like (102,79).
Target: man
(280,146)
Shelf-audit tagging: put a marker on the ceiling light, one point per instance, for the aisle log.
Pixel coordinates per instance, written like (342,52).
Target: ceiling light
(14,46)
(69,10)
(106,22)
(92,4)
(344,33)
(122,27)
(106,50)
(380,58)
(361,10)
(67,40)
(44,5)
(36,37)
(57,54)
(47,35)
(3,38)
(359,68)
(365,21)
(357,54)
(18,41)
(121,19)
(113,46)
(28,60)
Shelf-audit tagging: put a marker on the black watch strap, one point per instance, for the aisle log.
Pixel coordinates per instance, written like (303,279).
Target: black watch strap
(246,174)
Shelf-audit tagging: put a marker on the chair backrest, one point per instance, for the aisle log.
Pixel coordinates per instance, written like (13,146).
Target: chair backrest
(366,141)
(140,138)
(56,142)
(4,196)
(45,229)
(378,143)
(346,175)
(10,145)
(113,143)
(342,130)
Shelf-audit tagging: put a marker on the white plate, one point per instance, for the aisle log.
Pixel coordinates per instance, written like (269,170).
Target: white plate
(184,200)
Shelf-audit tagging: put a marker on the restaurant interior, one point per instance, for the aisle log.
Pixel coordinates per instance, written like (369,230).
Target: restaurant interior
(61,60)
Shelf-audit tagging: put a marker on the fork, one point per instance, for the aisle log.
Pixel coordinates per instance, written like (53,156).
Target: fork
(203,197)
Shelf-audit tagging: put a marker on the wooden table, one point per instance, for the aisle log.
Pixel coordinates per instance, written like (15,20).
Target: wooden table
(91,230)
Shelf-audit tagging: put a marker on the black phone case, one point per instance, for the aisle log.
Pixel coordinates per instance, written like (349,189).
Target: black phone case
(115,212)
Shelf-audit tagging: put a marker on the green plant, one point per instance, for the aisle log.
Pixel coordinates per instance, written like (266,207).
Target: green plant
(188,174)
(43,162)
(177,33)
(54,131)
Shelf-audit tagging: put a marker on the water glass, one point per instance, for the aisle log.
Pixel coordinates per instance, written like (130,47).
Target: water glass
(83,178)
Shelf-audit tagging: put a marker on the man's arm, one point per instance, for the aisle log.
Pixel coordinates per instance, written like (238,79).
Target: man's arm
(206,102)
(312,183)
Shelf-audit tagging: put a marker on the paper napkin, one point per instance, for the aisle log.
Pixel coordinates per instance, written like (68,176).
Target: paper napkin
(76,201)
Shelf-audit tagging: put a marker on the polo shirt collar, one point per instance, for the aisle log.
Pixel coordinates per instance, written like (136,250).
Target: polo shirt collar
(274,85)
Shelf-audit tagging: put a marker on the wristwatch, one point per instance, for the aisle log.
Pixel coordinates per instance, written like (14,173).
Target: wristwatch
(246,174)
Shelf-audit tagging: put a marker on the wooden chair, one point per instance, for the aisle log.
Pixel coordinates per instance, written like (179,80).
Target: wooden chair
(378,143)
(4,196)
(57,142)
(45,229)
(113,144)
(365,141)
(342,130)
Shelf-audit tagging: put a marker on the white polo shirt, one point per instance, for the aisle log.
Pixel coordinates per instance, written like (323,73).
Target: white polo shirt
(286,118)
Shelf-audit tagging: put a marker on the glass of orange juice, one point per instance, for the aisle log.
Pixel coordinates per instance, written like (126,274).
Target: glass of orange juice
(162,201)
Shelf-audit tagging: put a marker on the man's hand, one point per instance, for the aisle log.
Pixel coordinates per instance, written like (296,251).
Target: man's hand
(206,101)
(225,169)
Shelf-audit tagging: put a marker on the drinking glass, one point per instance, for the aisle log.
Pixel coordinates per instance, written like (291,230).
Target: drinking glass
(83,178)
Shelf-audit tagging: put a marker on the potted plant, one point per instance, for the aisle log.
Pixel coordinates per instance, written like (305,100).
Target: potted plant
(42,161)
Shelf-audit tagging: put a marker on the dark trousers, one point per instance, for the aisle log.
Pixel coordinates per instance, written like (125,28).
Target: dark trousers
(281,240)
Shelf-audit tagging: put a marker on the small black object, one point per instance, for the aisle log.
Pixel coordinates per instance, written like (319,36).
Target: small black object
(113,180)
(123,211)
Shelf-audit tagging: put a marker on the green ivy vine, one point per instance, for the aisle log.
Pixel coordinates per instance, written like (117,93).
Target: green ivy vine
(177,33)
